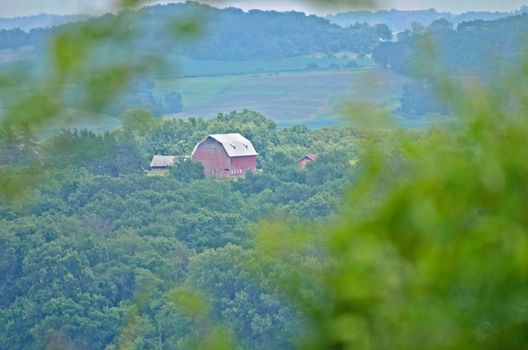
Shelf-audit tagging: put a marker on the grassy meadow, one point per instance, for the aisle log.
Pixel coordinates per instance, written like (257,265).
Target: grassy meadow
(283,90)
(96,122)
(315,98)
(190,67)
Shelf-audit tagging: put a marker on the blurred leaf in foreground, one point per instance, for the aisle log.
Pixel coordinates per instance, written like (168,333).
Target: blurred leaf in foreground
(431,249)
(205,333)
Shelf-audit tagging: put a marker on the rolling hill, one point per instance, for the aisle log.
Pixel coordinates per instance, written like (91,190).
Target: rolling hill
(400,21)
(44,20)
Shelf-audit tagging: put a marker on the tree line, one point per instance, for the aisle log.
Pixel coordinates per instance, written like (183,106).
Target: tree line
(485,50)
(228,34)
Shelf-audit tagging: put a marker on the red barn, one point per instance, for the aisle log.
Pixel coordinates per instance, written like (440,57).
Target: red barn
(309,158)
(226,155)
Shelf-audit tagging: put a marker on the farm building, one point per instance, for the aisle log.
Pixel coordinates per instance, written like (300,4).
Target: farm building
(309,158)
(226,155)
(160,165)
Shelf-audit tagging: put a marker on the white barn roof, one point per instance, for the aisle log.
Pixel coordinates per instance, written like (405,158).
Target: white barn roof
(162,161)
(235,145)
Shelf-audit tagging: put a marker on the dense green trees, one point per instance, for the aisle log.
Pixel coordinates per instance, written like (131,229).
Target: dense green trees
(246,299)
(98,232)
(111,154)
(420,100)
(188,170)
(143,96)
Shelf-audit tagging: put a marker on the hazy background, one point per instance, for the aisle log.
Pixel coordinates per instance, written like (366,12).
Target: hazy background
(12,8)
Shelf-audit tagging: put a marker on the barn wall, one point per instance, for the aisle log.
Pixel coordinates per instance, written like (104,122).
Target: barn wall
(243,164)
(213,158)
(303,163)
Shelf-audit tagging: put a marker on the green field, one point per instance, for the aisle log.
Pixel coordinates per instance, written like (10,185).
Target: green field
(189,67)
(75,119)
(312,97)
(282,89)
(97,122)
(315,98)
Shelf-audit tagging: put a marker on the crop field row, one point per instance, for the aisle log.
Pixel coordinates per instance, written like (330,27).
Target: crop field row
(310,97)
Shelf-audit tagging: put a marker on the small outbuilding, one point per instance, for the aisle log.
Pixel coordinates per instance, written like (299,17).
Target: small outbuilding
(226,155)
(160,165)
(309,158)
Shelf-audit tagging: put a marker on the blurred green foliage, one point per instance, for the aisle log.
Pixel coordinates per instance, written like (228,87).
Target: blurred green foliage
(430,250)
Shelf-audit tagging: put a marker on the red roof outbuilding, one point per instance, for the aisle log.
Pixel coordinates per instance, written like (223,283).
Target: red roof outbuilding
(309,158)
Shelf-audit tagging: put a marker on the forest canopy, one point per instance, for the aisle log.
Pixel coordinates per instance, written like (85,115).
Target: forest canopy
(118,230)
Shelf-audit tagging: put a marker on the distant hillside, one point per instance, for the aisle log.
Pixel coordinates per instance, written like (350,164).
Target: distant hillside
(400,21)
(229,34)
(38,21)
(488,50)
(484,48)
